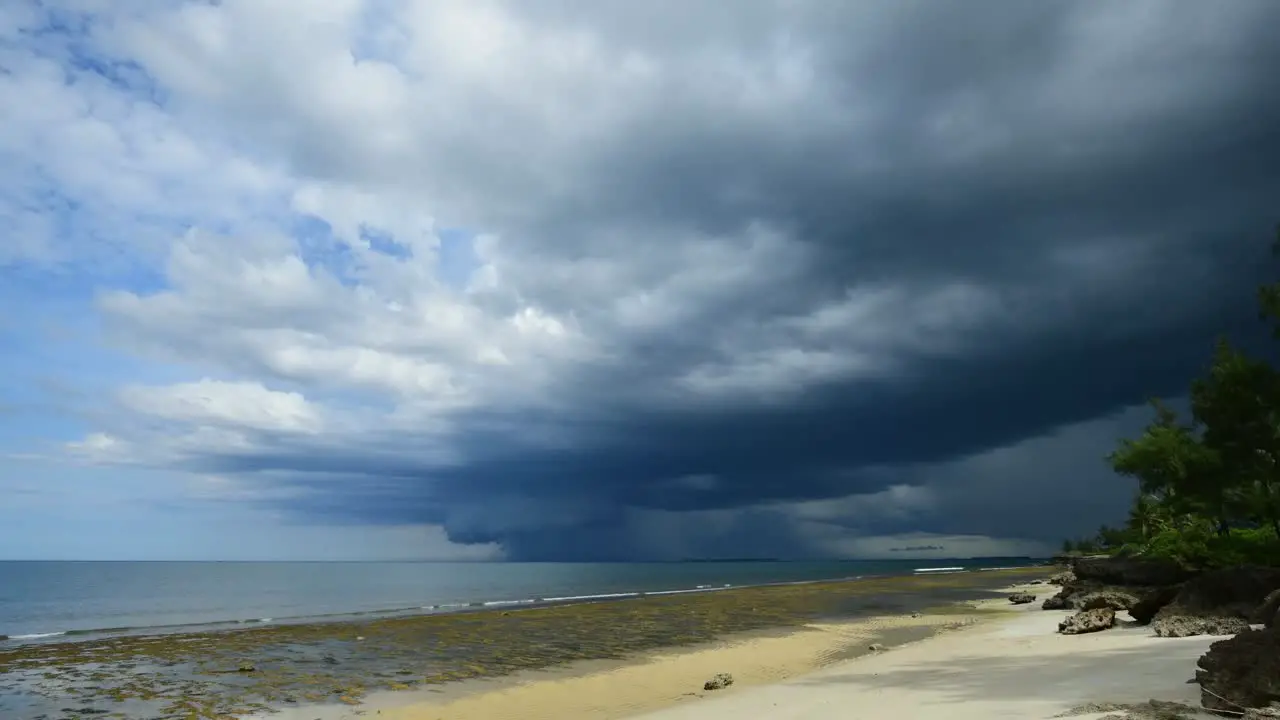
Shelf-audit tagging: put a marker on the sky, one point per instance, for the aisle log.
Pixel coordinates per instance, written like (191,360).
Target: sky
(540,280)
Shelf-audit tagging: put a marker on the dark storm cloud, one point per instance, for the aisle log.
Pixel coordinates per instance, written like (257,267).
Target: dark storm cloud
(1199,184)
(1117,204)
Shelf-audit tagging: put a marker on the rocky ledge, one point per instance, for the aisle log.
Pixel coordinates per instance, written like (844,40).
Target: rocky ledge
(1216,602)
(1219,602)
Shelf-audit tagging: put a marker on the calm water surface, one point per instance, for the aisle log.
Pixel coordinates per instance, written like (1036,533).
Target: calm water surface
(50,599)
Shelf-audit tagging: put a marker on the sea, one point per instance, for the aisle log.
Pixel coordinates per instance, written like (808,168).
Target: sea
(62,601)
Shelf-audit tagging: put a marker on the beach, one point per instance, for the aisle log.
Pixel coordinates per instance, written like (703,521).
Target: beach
(929,645)
(986,660)
(651,680)
(631,655)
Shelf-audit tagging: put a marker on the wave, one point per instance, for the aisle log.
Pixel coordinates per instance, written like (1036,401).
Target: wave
(453,607)
(37,636)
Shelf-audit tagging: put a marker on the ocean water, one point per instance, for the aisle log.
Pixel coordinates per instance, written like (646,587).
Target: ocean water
(48,601)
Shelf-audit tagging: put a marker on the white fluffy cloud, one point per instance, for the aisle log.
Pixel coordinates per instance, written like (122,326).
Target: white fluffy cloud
(226,403)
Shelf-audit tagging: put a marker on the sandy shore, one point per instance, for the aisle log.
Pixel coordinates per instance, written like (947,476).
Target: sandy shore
(662,679)
(1006,662)
(1014,668)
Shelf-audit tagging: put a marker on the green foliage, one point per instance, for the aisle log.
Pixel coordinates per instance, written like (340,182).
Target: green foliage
(1208,490)
(1201,545)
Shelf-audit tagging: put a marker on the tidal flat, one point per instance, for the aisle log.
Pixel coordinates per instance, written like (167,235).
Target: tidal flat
(227,674)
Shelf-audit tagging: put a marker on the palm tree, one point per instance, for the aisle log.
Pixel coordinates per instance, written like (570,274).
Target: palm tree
(1147,516)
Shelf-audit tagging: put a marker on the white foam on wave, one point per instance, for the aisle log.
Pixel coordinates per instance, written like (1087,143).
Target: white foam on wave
(36,636)
(680,592)
(602,596)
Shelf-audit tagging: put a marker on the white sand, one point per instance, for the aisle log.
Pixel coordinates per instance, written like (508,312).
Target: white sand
(1015,668)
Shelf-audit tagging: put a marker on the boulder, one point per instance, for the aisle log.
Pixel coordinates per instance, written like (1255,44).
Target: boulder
(1057,602)
(1087,621)
(719,681)
(1130,571)
(1175,626)
(1022,598)
(1114,598)
(876,647)
(1066,577)
(1267,613)
(1150,603)
(1219,602)
(1241,672)
(1088,596)
(1067,597)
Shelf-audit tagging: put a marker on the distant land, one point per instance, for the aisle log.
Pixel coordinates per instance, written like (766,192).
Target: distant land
(729,560)
(917,548)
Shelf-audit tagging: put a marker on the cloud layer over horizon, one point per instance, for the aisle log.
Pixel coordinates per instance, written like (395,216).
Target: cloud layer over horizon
(540,280)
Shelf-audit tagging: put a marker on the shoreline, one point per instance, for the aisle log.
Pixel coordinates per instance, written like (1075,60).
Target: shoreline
(18,640)
(975,660)
(359,665)
(643,682)
(668,677)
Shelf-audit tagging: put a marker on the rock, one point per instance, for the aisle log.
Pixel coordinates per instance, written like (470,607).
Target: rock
(246,667)
(1266,713)
(1022,598)
(1268,613)
(1036,582)
(916,615)
(1089,596)
(1241,672)
(876,647)
(1057,602)
(1129,571)
(1175,626)
(1065,577)
(1113,598)
(1067,598)
(1087,621)
(1220,602)
(1145,609)
(1238,590)
(718,682)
